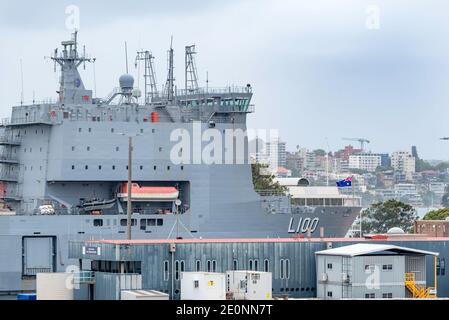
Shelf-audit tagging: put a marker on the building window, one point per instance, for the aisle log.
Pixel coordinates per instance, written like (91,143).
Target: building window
(370,295)
(113,167)
(441,267)
(99,167)
(176,270)
(196,284)
(209,265)
(73,167)
(281,269)
(388,295)
(98,222)
(329,266)
(166,270)
(235,264)
(250,265)
(198,266)
(387,267)
(168,168)
(86,167)
(154,168)
(214,266)
(329,294)
(141,167)
(266,265)
(182,167)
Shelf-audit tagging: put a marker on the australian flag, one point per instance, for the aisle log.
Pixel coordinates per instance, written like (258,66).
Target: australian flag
(345,182)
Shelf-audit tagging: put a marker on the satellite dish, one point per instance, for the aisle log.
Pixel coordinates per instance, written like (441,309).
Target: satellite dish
(178,202)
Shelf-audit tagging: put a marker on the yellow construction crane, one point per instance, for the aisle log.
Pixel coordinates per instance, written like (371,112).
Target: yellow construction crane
(362,141)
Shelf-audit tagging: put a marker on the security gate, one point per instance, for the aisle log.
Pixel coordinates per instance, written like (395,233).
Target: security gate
(39,255)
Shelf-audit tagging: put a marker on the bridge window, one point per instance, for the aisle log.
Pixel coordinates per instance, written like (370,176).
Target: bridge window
(99,167)
(235,264)
(370,295)
(198,265)
(159,222)
(388,295)
(86,167)
(141,167)
(98,222)
(151,222)
(73,167)
(113,167)
(124,222)
(387,267)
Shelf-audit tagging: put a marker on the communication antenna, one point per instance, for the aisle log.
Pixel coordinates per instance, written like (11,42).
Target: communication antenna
(21,82)
(169,84)
(126,56)
(207,81)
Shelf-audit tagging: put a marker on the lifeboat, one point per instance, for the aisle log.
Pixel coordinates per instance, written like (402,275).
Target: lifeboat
(139,193)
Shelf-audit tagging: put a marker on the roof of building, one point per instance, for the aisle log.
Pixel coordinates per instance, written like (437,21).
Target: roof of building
(254,240)
(360,249)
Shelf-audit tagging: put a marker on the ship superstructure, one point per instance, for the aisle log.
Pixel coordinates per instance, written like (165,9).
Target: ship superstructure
(64,170)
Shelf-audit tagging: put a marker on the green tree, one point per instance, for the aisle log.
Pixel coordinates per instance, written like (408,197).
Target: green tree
(381,216)
(263,179)
(422,165)
(319,152)
(440,214)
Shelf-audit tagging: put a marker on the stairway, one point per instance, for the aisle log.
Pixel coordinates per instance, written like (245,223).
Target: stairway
(417,290)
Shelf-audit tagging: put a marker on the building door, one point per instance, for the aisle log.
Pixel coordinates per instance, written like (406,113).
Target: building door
(39,255)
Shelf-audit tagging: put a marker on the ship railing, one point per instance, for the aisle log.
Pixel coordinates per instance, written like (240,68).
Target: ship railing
(84,277)
(7,139)
(214,90)
(9,176)
(271,193)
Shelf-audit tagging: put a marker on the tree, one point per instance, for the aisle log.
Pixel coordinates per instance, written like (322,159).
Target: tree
(440,214)
(319,152)
(263,179)
(382,216)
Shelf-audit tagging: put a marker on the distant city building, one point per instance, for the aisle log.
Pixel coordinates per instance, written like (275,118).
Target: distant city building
(403,162)
(365,161)
(438,188)
(432,228)
(295,162)
(276,153)
(346,152)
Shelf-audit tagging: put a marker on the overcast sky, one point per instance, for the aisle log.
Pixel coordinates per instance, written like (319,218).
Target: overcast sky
(318,72)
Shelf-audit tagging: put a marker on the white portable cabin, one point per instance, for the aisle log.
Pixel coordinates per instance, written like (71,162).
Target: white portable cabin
(203,286)
(249,285)
(54,286)
(143,295)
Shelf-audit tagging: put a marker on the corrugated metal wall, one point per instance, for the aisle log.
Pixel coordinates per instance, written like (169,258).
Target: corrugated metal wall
(296,259)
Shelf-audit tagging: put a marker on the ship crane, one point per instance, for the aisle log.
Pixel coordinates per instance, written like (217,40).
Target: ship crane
(362,141)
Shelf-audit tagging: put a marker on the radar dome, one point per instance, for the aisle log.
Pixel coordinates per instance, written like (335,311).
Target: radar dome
(395,230)
(126,81)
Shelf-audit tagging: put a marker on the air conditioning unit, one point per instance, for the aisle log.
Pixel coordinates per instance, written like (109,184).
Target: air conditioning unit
(324,277)
(345,277)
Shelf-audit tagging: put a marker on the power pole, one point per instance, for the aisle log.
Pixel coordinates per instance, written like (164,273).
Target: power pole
(129,203)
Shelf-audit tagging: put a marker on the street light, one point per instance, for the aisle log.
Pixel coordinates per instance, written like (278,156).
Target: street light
(129,203)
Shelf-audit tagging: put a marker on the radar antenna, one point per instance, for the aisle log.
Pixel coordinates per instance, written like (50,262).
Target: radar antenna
(149,74)
(191,75)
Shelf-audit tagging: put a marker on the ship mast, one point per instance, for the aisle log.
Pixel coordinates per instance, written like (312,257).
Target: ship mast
(149,74)
(169,84)
(191,75)
(69,61)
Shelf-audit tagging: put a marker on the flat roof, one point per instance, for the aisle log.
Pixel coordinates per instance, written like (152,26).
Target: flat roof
(257,240)
(360,249)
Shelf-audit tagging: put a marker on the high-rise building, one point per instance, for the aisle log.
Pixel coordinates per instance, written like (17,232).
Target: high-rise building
(403,162)
(276,153)
(365,161)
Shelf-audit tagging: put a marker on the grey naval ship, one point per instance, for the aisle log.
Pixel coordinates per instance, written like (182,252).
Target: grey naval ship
(64,171)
